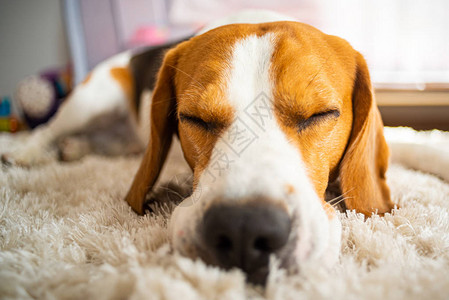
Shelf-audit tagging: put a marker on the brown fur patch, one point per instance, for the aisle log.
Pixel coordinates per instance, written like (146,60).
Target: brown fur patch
(87,78)
(124,77)
(289,189)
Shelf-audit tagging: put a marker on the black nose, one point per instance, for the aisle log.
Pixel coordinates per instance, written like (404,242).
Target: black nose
(244,236)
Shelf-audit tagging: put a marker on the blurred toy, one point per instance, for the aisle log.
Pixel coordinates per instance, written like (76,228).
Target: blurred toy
(149,35)
(39,96)
(152,35)
(8,122)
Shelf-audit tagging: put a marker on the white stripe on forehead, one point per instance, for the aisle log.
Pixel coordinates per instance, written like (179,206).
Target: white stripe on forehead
(250,69)
(254,144)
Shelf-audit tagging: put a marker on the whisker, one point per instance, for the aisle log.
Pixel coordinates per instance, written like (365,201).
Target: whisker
(335,204)
(172,192)
(338,202)
(342,195)
(335,199)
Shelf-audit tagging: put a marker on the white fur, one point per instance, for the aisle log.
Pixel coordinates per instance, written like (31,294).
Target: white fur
(143,128)
(259,160)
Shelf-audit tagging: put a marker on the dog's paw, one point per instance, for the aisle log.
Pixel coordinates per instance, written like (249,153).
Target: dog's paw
(73,148)
(6,159)
(26,157)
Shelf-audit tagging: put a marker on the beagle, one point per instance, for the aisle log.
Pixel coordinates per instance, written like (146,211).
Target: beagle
(270,113)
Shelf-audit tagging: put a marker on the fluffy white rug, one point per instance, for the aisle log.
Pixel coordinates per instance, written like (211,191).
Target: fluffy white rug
(66,233)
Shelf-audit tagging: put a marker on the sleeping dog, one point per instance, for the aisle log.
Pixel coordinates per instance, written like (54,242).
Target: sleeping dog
(269,112)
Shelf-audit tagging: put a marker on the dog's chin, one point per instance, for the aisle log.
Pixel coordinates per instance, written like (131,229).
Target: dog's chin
(257,277)
(194,248)
(316,252)
(287,259)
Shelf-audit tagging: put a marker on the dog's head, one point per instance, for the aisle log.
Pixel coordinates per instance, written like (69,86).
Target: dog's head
(267,115)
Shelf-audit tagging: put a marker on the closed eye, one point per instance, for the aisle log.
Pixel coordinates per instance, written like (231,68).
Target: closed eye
(316,118)
(198,122)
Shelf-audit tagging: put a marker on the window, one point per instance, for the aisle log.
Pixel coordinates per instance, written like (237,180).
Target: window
(405,42)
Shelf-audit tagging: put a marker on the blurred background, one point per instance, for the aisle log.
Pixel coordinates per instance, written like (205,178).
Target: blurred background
(405,42)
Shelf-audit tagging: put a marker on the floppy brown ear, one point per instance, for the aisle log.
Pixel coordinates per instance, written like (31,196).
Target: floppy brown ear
(163,126)
(363,167)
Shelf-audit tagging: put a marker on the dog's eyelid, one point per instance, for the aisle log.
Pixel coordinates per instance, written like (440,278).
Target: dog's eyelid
(189,117)
(304,123)
(208,126)
(327,113)
(192,119)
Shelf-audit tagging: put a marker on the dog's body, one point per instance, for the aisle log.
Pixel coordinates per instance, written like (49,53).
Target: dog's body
(269,115)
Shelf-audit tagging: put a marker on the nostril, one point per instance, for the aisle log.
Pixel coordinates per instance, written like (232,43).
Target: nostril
(262,244)
(224,243)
